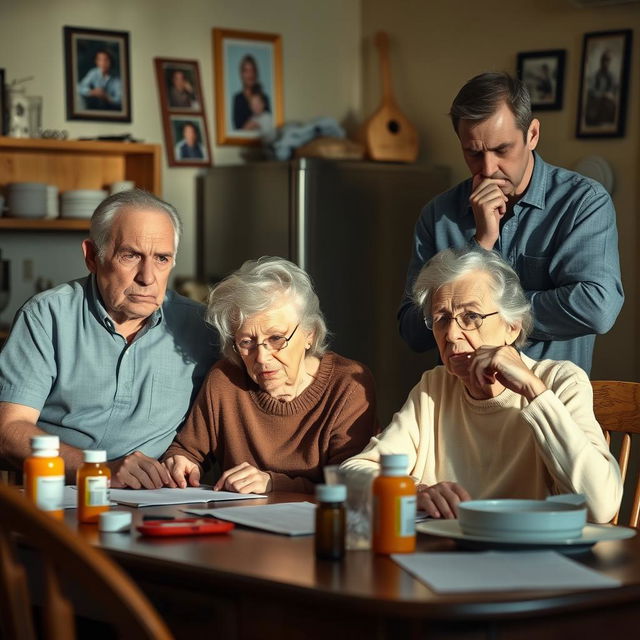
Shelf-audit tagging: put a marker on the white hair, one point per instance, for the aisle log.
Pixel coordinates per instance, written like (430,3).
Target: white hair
(254,288)
(132,200)
(451,264)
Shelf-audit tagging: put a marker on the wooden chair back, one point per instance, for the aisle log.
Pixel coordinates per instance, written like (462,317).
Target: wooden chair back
(65,560)
(617,408)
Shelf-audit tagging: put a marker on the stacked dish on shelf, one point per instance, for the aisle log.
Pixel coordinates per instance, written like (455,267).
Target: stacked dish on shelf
(27,199)
(81,203)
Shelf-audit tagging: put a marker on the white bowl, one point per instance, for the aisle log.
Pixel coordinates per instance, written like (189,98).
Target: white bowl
(517,520)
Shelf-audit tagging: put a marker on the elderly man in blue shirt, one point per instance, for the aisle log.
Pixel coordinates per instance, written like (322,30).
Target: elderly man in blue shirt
(113,360)
(556,228)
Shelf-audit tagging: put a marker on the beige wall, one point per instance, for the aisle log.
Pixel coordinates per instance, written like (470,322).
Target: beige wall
(437,46)
(321,51)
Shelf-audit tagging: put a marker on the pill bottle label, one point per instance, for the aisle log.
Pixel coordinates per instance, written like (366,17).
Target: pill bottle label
(96,491)
(406,516)
(50,493)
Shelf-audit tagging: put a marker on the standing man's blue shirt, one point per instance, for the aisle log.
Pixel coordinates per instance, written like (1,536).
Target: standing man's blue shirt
(563,243)
(65,359)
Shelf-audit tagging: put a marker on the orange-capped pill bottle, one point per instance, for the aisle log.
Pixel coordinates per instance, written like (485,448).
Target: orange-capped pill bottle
(44,475)
(394,506)
(94,480)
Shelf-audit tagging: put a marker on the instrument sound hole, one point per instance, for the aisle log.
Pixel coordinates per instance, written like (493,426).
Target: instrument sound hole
(393,126)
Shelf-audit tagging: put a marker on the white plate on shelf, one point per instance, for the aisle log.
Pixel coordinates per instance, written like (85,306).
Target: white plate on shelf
(591,534)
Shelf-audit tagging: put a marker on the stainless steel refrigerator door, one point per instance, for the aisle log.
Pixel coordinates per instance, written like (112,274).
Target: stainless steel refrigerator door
(352,226)
(243,213)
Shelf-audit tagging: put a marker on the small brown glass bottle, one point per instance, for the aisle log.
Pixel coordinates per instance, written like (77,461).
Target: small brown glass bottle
(330,521)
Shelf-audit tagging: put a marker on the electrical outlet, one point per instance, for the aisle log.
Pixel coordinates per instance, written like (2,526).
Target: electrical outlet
(27,269)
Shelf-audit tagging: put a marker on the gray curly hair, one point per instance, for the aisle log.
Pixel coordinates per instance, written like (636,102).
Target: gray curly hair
(252,289)
(451,264)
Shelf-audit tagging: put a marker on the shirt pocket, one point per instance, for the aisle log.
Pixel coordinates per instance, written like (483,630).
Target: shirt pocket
(534,273)
(169,400)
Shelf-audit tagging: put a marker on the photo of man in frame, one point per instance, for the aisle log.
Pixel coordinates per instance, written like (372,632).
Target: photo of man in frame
(99,71)
(182,87)
(188,136)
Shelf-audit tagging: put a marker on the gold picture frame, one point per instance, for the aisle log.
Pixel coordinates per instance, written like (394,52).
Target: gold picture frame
(248,85)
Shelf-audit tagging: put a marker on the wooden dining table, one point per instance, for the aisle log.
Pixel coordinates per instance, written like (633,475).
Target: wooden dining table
(254,584)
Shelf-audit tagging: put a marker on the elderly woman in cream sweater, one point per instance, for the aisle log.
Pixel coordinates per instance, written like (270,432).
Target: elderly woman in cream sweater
(491,422)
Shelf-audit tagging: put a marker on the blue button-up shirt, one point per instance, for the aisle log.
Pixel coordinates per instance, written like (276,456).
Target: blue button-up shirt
(563,243)
(65,359)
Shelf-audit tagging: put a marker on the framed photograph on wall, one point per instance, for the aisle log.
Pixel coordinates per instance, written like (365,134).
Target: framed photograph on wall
(248,84)
(188,141)
(543,73)
(97,74)
(604,84)
(186,134)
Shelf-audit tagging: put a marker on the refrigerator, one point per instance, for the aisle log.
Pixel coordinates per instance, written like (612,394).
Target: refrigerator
(350,226)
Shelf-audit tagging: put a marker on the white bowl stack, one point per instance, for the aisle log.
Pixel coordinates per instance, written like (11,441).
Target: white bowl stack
(81,203)
(27,199)
(522,520)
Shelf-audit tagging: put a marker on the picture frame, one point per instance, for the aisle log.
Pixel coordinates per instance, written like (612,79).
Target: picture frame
(248,85)
(184,121)
(543,74)
(604,84)
(97,73)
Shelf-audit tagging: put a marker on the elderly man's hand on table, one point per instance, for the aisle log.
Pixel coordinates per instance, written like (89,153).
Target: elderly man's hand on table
(441,500)
(139,472)
(244,478)
(183,471)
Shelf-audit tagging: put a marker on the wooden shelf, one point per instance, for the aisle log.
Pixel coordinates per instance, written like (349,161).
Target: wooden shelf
(41,224)
(74,164)
(79,164)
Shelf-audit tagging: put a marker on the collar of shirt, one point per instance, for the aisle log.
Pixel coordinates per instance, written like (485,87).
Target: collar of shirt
(535,195)
(95,304)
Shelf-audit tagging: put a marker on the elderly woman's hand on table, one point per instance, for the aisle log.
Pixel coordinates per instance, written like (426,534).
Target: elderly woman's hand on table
(183,471)
(244,478)
(441,500)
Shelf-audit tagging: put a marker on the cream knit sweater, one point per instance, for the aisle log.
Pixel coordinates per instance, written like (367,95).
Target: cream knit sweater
(505,447)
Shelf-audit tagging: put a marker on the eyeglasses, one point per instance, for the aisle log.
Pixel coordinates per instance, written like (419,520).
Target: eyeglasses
(467,321)
(273,343)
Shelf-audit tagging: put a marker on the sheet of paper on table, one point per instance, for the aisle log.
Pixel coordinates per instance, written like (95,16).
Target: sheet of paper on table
(461,572)
(151,497)
(288,518)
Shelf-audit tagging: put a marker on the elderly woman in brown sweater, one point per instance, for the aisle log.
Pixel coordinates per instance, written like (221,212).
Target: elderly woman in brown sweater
(279,406)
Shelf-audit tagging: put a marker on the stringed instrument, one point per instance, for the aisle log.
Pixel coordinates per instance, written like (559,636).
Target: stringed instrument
(387,134)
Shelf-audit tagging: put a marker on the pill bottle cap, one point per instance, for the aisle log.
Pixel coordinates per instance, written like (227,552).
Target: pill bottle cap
(113,521)
(394,463)
(92,455)
(45,442)
(331,493)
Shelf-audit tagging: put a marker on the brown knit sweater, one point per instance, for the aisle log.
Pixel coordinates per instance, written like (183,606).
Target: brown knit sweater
(233,419)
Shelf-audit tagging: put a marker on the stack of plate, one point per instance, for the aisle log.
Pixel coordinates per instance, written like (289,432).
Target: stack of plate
(522,520)
(27,199)
(81,203)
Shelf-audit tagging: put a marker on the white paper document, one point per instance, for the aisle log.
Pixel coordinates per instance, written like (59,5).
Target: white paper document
(151,497)
(288,518)
(461,572)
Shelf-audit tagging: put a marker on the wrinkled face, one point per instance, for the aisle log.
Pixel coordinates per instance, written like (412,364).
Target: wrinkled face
(248,74)
(469,293)
(102,62)
(495,148)
(133,277)
(189,134)
(276,372)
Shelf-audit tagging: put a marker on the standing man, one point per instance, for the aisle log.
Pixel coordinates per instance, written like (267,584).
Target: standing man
(556,228)
(111,361)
